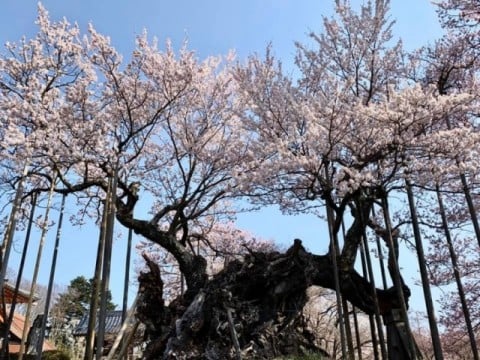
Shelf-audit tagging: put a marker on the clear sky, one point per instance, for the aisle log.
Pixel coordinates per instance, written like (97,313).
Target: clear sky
(211,27)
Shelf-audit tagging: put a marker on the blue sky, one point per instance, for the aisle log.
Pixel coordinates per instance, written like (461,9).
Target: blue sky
(211,27)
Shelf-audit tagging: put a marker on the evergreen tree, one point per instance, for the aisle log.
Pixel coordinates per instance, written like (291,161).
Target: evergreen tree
(75,301)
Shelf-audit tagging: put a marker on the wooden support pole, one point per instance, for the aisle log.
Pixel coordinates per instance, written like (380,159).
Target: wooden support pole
(427,294)
(371,277)
(4,352)
(127,323)
(36,270)
(10,231)
(107,257)
(357,334)
(398,283)
(233,334)
(336,277)
(92,319)
(51,280)
(456,272)
(126,343)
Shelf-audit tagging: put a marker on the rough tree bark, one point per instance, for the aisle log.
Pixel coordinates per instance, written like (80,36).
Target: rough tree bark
(265,292)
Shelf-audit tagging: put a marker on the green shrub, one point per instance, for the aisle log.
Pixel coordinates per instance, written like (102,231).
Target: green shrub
(55,355)
(26,357)
(308,356)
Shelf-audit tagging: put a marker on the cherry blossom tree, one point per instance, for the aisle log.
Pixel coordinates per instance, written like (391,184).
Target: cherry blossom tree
(461,14)
(352,128)
(186,139)
(78,115)
(359,124)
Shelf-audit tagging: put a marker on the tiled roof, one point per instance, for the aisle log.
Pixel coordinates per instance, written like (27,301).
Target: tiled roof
(22,295)
(16,329)
(113,323)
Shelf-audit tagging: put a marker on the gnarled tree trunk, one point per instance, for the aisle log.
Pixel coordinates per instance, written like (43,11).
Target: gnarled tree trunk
(266,293)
